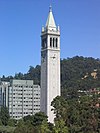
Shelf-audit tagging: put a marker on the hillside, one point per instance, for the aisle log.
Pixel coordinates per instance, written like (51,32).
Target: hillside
(77,73)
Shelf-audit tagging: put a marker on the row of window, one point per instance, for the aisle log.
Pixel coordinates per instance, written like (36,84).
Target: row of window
(23,86)
(53,43)
(21,113)
(18,89)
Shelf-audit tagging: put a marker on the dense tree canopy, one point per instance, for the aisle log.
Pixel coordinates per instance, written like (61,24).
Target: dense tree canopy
(4,115)
(76,115)
(71,116)
(77,73)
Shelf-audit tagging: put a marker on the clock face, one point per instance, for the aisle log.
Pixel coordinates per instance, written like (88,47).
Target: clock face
(53,56)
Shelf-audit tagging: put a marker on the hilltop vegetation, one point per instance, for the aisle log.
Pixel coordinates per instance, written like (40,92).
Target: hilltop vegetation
(77,70)
(77,73)
(32,74)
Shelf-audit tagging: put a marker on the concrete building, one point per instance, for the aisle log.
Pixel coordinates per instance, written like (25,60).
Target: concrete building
(50,65)
(4,93)
(22,98)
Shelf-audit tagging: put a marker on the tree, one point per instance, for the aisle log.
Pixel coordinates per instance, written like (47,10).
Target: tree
(60,127)
(39,118)
(60,107)
(12,122)
(28,118)
(83,115)
(33,124)
(21,128)
(4,115)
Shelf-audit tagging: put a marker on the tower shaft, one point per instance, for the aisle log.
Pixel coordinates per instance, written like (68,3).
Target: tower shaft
(50,66)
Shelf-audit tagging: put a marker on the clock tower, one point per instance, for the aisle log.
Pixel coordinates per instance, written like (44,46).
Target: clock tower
(50,65)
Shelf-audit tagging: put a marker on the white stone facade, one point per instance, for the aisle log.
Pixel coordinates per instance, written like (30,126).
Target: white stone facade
(50,66)
(21,97)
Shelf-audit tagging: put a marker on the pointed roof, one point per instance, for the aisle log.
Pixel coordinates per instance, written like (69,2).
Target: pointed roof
(50,20)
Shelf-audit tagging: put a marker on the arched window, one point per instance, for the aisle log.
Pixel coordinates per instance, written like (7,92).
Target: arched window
(45,42)
(53,42)
(56,42)
(42,43)
(50,42)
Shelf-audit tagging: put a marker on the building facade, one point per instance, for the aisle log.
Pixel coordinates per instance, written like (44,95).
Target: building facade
(4,93)
(50,65)
(22,98)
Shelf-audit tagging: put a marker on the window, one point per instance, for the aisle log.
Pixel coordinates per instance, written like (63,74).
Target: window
(44,43)
(50,42)
(53,42)
(56,42)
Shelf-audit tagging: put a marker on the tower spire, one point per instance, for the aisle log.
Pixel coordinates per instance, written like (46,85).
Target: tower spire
(50,20)
(50,8)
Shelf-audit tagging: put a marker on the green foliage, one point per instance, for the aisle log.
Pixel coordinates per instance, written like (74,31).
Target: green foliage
(1,123)
(43,128)
(28,118)
(73,71)
(32,74)
(60,126)
(21,127)
(4,115)
(12,122)
(83,115)
(33,124)
(39,118)
(76,115)
(60,107)
(6,129)
(71,116)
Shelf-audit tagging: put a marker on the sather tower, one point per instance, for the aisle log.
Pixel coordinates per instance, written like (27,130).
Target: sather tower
(50,65)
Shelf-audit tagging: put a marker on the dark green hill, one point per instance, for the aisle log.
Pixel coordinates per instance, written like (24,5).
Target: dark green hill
(77,73)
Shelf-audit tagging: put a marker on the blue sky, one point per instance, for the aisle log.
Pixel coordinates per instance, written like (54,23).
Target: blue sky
(20,30)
